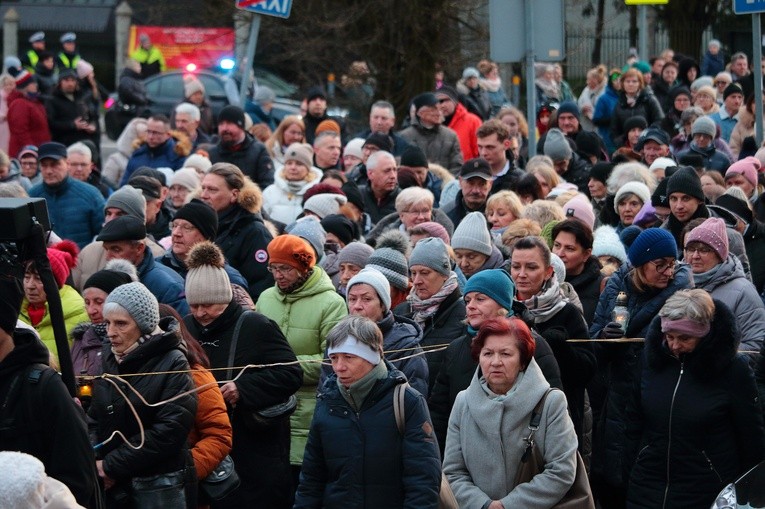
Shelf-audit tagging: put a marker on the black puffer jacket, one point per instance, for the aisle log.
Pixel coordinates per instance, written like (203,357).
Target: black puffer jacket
(578,173)
(166,426)
(695,421)
(62,113)
(587,286)
(646,105)
(457,370)
(251,156)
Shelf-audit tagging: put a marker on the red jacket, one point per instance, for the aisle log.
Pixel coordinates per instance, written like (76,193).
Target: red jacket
(465,124)
(27,121)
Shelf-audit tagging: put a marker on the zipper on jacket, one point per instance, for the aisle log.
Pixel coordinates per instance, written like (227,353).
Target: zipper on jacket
(669,440)
(711,466)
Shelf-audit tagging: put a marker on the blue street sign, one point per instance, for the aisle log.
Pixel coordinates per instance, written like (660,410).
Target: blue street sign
(748,6)
(278,8)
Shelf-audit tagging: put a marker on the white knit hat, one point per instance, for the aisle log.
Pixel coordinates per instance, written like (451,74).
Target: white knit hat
(473,234)
(325,204)
(637,188)
(186,177)
(607,243)
(376,280)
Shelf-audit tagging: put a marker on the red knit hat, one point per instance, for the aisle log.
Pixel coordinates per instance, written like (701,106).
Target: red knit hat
(293,251)
(63,258)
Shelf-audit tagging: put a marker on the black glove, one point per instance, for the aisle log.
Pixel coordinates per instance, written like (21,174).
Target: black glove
(612,330)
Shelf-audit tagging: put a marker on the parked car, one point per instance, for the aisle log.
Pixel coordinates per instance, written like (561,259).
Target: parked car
(747,492)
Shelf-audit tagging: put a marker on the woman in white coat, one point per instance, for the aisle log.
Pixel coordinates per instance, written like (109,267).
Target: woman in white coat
(283,200)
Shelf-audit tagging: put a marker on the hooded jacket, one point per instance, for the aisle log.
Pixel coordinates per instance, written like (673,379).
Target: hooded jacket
(87,348)
(114,167)
(440,144)
(27,122)
(283,203)
(465,124)
(695,421)
(251,156)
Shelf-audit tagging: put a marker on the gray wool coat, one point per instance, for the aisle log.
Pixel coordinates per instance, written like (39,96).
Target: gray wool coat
(484,445)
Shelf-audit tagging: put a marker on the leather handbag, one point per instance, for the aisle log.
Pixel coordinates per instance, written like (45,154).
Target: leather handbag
(221,482)
(446,499)
(579,496)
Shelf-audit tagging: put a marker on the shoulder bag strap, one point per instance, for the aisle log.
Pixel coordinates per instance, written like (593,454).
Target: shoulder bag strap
(232,348)
(536,418)
(399,393)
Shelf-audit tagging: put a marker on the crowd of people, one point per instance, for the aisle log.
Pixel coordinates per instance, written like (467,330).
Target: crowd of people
(369,320)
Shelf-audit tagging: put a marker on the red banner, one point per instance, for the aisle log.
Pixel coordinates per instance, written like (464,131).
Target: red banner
(203,47)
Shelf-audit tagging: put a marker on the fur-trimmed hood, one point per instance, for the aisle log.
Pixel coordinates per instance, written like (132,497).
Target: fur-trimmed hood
(711,356)
(183,144)
(251,198)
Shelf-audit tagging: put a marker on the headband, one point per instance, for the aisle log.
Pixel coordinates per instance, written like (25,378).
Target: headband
(355,347)
(687,326)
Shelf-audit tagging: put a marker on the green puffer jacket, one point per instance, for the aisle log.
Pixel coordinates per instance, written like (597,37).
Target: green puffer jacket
(305,317)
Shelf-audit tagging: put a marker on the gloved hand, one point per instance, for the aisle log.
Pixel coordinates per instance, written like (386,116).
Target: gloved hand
(612,330)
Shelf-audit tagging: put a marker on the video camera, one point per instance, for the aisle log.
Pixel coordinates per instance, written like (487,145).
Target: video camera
(17,218)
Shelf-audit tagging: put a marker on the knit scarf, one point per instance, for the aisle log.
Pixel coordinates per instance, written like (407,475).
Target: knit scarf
(547,302)
(100,330)
(426,308)
(549,88)
(358,391)
(491,84)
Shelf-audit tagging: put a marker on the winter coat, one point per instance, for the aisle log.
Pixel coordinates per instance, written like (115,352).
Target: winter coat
(456,210)
(465,124)
(731,286)
(725,122)
(646,105)
(457,370)
(259,116)
(744,129)
(618,366)
(163,156)
(476,99)
(27,122)
(87,347)
(587,287)
(62,113)
(712,64)
(399,143)
(163,282)
(210,438)
(578,173)
(696,421)
(312,122)
(305,317)
(445,326)
(713,160)
(130,88)
(114,167)
(260,453)
(284,204)
(244,238)
(602,116)
(485,443)
(251,156)
(44,421)
(166,426)
(440,144)
(754,242)
(92,258)
(360,459)
(378,210)
(76,209)
(74,313)
(663,92)
(393,222)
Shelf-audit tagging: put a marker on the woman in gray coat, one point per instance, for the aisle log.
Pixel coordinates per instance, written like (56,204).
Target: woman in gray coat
(490,420)
(722,275)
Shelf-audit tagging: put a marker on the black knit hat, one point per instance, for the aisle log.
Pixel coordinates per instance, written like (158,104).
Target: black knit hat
(449,91)
(659,198)
(686,181)
(342,227)
(314,92)
(693,160)
(588,143)
(233,114)
(107,280)
(414,157)
(736,206)
(202,216)
(633,122)
(733,88)
(379,140)
(351,190)
(601,171)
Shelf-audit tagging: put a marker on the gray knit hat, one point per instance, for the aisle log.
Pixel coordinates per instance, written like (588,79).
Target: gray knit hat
(128,199)
(556,146)
(431,253)
(473,234)
(140,304)
(704,125)
(207,281)
(300,152)
(325,204)
(356,253)
(309,228)
(392,264)
(376,280)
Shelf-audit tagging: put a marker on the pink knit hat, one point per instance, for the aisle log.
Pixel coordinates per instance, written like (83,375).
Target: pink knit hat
(580,208)
(748,167)
(712,233)
(435,230)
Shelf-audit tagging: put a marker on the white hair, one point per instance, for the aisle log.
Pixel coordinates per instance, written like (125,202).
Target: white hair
(630,172)
(377,158)
(190,110)
(79,148)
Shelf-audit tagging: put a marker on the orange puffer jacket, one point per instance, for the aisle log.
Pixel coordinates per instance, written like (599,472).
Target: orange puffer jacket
(210,438)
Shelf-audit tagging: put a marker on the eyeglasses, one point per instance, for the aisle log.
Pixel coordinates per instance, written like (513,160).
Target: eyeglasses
(29,164)
(718,83)
(155,133)
(662,266)
(701,250)
(418,212)
(276,269)
(185,228)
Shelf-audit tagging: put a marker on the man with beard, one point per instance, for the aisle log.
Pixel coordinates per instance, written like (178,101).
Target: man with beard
(475,180)
(158,151)
(240,148)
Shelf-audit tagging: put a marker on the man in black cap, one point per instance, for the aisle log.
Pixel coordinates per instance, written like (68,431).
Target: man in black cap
(727,117)
(32,56)
(382,119)
(76,209)
(124,238)
(652,144)
(240,148)
(68,57)
(158,217)
(475,185)
(71,116)
(316,113)
(439,143)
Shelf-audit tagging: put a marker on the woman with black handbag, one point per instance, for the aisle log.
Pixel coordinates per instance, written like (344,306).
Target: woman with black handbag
(233,337)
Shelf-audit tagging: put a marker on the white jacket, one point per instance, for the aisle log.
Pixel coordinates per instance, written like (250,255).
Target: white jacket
(284,204)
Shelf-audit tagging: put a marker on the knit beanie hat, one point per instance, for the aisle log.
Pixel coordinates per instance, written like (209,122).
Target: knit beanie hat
(300,152)
(356,253)
(473,234)
(293,251)
(187,178)
(569,107)
(732,88)
(589,143)
(559,268)
(207,281)
(128,199)
(662,163)
(233,114)
(321,188)
(327,125)
(376,280)
(63,258)
(342,227)
(263,94)
(607,243)
(353,148)
(325,204)
(414,157)
(83,69)
(579,207)
(23,79)
(433,253)
(202,216)
(449,91)
(107,280)
(546,232)
(659,197)
(309,229)
(736,205)
(139,303)
(704,125)
(556,146)
(637,188)
(629,234)
(198,162)
(686,181)
(748,167)
(601,171)
(392,264)
(191,86)
(494,283)
(353,194)
(380,140)
(711,232)
(652,244)
(638,121)
(435,230)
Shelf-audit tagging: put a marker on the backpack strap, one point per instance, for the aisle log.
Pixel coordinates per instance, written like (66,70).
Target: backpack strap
(234,339)
(399,394)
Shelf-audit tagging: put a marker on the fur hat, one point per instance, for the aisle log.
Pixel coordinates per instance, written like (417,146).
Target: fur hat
(207,281)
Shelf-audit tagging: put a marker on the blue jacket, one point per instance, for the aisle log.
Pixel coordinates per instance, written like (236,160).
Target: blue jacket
(163,156)
(169,260)
(163,282)
(601,117)
(713,158)
(76,209)
(361,460)
(259,116)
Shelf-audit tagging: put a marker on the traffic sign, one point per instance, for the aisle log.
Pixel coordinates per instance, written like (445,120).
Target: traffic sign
(748,6)
(278,8)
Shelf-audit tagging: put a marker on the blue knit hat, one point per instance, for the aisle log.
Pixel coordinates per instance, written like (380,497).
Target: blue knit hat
(569,107)
(495,283)
(652,244)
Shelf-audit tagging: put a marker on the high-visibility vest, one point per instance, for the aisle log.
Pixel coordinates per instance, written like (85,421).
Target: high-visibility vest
(65,60)
(33,58)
